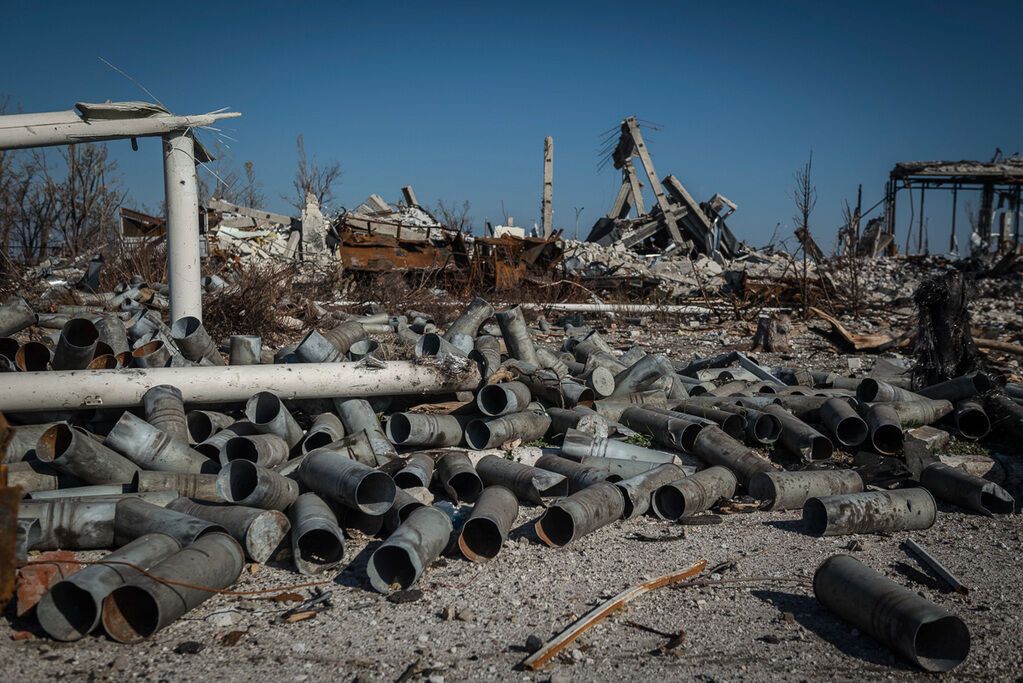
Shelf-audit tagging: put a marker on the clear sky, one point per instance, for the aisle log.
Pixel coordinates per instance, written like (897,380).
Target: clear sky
(456,98)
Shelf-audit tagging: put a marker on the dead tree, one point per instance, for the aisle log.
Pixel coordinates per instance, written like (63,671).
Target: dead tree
(944,344)
(805,197)
(453,216)
(310,176)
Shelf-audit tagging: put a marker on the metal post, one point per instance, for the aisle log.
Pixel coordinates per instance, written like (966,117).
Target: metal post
(181,187)
(953,243)
(920,231)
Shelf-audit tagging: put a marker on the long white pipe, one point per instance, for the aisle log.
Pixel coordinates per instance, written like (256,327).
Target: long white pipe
(74,389)
(582,308)
(185,277)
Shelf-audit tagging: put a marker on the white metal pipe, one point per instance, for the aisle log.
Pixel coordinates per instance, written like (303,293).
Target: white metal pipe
(75,389)
(184,275)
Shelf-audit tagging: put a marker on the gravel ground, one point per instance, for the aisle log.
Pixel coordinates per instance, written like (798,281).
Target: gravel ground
(473,621)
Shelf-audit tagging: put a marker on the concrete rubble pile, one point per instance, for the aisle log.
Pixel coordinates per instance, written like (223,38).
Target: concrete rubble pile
(188,457)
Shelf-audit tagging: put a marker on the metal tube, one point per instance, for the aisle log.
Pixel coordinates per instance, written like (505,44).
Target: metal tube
(870,390)
(612,408)
(245,483)
(886,434)
(202,424)
(152,354)
(800,438)
(487,353)
(791,490)
(433,345)
(32,357)
(315,348)
(693,494)
(590,344)
(151,449)
(955,486)
(266,450)
(260,532)
(573,517)
(616,469)
(212,446)
(71,525)
(495,400)
(526,426)
(112,333)
(484,533)
(550,361)
(32,475)
(580,445)
(458,477)
(104,492)
(639,489)
(182,195)
(400,560)
(245,349)
(76,345)
(325,429)
(187,484)
(971,420)
(958,388)
(71,609)
(362,348)
(143,606)
(23,441)
(462,331)
(404,504)
(516,335)
(715,447)
(527,483)
(641,374)
(423,429)
(870,512)
(270,416)
(73,451)
(317,543)
(417,472)
(921,412)
(135,517)
(915,627)
(165,410)
(338,478)
(194,341)
(15,316)
(357,415)
(668,430)
(344,336)
(579,476)
(732,424)
(844,422)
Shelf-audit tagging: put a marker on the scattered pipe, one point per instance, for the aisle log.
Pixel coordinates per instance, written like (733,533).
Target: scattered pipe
(693,494)
(152,354)
(579,476)
(844,422)
(715,447)
(32,476)
(202,424)
(959,388)
(325,429)
(495,400)
(134,518)
(955,486)
(315,348)
(550,361)
(260,532)
(433,345)
(936,567)
(357,415)
(317,543)
(71,609)
(573,517)
(187,484)
(886,434)
(516,335)
(194,341)
(15,316)
(70,524)
(971,420)
(344,336)
(580,445)
(269,415)
(791,490)
(76,345)
(528,483)
(800,438)
(143,606)
(870,512)
(32,357)
(641,374)
(484,533)
(671,430)
(487,353)
(424,429)
(246,483)
(73,451)
(165,410)
(341,479)
(915,627)
(639,489)
(924,411)
(151,449)
(870,390)
(417,472)
(245,349)
(590,344)
(265,450)
(526,426)
(733,424)
(462,331)
(400,560)
(404,504)
(22,442)
(616,469)
(456,475)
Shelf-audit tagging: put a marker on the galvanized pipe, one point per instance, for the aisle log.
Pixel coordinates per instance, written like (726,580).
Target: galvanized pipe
(399,562)
(270,416)
(32,475)
(913,626)
(424,429)
(616,469)
(186,484)
(870,512)
(639,489)
(325,429)
(202,424)
(959,388)
(417,472)
(528,483)
(265,450)
(212,446)
(143,606)
(715,447)
(693,494)
(484,533)
(23,441)
(432,345)
(339,478)
(74,452)
(315,348)
(151,449)
(71,525)
(404,504)
(526,426)
(357,415)
(495,400)
(641,374)
(459,479)
(791,490)
(165,410)
(870,390)
(671,430)
(573,517)
(151,355)
(112,333)
(345,335)
(193,340)
(317,543)
(844,422)
(800,438)
(487,353)
(135,517)
(245,349)
(580,445)
(579,476)
(955,486)
(260,532)
(462,331)
(245,483)
(15,316)
(733,424)
(971,420)
(76,345)
(516,335)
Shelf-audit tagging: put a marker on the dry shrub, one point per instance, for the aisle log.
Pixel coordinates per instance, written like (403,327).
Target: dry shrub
(13,279)
(258,300)
(124,259)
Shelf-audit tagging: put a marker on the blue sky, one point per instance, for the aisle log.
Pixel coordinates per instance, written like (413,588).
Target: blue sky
(456,98)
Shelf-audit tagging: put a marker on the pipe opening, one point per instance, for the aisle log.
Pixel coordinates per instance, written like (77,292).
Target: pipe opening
(767,428)
(54,442)
(429,345)
(821,448)
(148,349)
(241,448)
(32,357)
(316,440)
(375,493)
(867,390)
(887,439)
(767,390)
(972,423)
(467,486)
(493,399)
(185,327)
(69,613)
(669,503)
(697,390)
(80,333)
(942,644)
(477,434)
(393,565)
(982,383)
(762,487)
(399,428)
(734,426)
(130,614)
(242,479)
(815,517)
(481,537)
(321,547)
(200,426)
(362,348)
(687,439)
(409,479)
(267,407)
(557,526)
(852,431)
(996,504)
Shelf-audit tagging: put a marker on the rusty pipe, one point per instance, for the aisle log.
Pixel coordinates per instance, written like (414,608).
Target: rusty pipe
(573,517)
(791,490)
(693,494)
(74,452)
(483,534)
(870,512)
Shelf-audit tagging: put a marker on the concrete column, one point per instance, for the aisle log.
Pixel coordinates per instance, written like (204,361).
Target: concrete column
(181,187)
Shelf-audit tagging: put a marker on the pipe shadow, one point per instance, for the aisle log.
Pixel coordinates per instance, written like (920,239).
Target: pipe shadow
(527,531)
(354,575)
(814,617)
(795,525)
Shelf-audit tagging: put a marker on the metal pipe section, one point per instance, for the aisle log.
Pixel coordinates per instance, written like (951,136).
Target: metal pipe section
(33,476)
(187,484)
(71,524)
(495,400)
(800,438)
(245,349)
(791,490)
(579,476)
(971,420)
(345,336)
(913,626)
(71,609)
(246,483)
(526,426)
(733,424)
(134,518)
(579,445)
(484,533)
(528,483)
(260,532)
(269,415)
(844,422)
(23,442)
(870,390)
(339,478)
(487,354)
(923,411)
(674,431)
(151,449)
(35,391)
(76,345)
(966,490)
(870,512)
(182,194)
(516,335)
(325,429)
(459,479)
(616,469)
(573,517)
(32,357)
(143,606)
(432,345)
(959,388)
(266,450)
(73,451)
(202,424)
(151,355)
(886,435)
(16,315)
(404,504)
(212,447)
(462,332)
(639,489)
(317,543)
(641,374)
(715,447)
(417,472)
(399,562)
(165,410)
(315,348)
(693,494)
(424,429)
(357,415)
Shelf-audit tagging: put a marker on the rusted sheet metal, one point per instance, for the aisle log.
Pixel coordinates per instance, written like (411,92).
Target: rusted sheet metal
(8,521)
(506,261)
(35,579)
(380,253)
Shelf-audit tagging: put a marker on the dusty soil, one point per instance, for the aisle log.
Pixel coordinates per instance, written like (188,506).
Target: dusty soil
(473,621)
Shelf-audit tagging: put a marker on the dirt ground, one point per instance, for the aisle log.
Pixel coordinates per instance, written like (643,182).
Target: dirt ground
(472,621)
